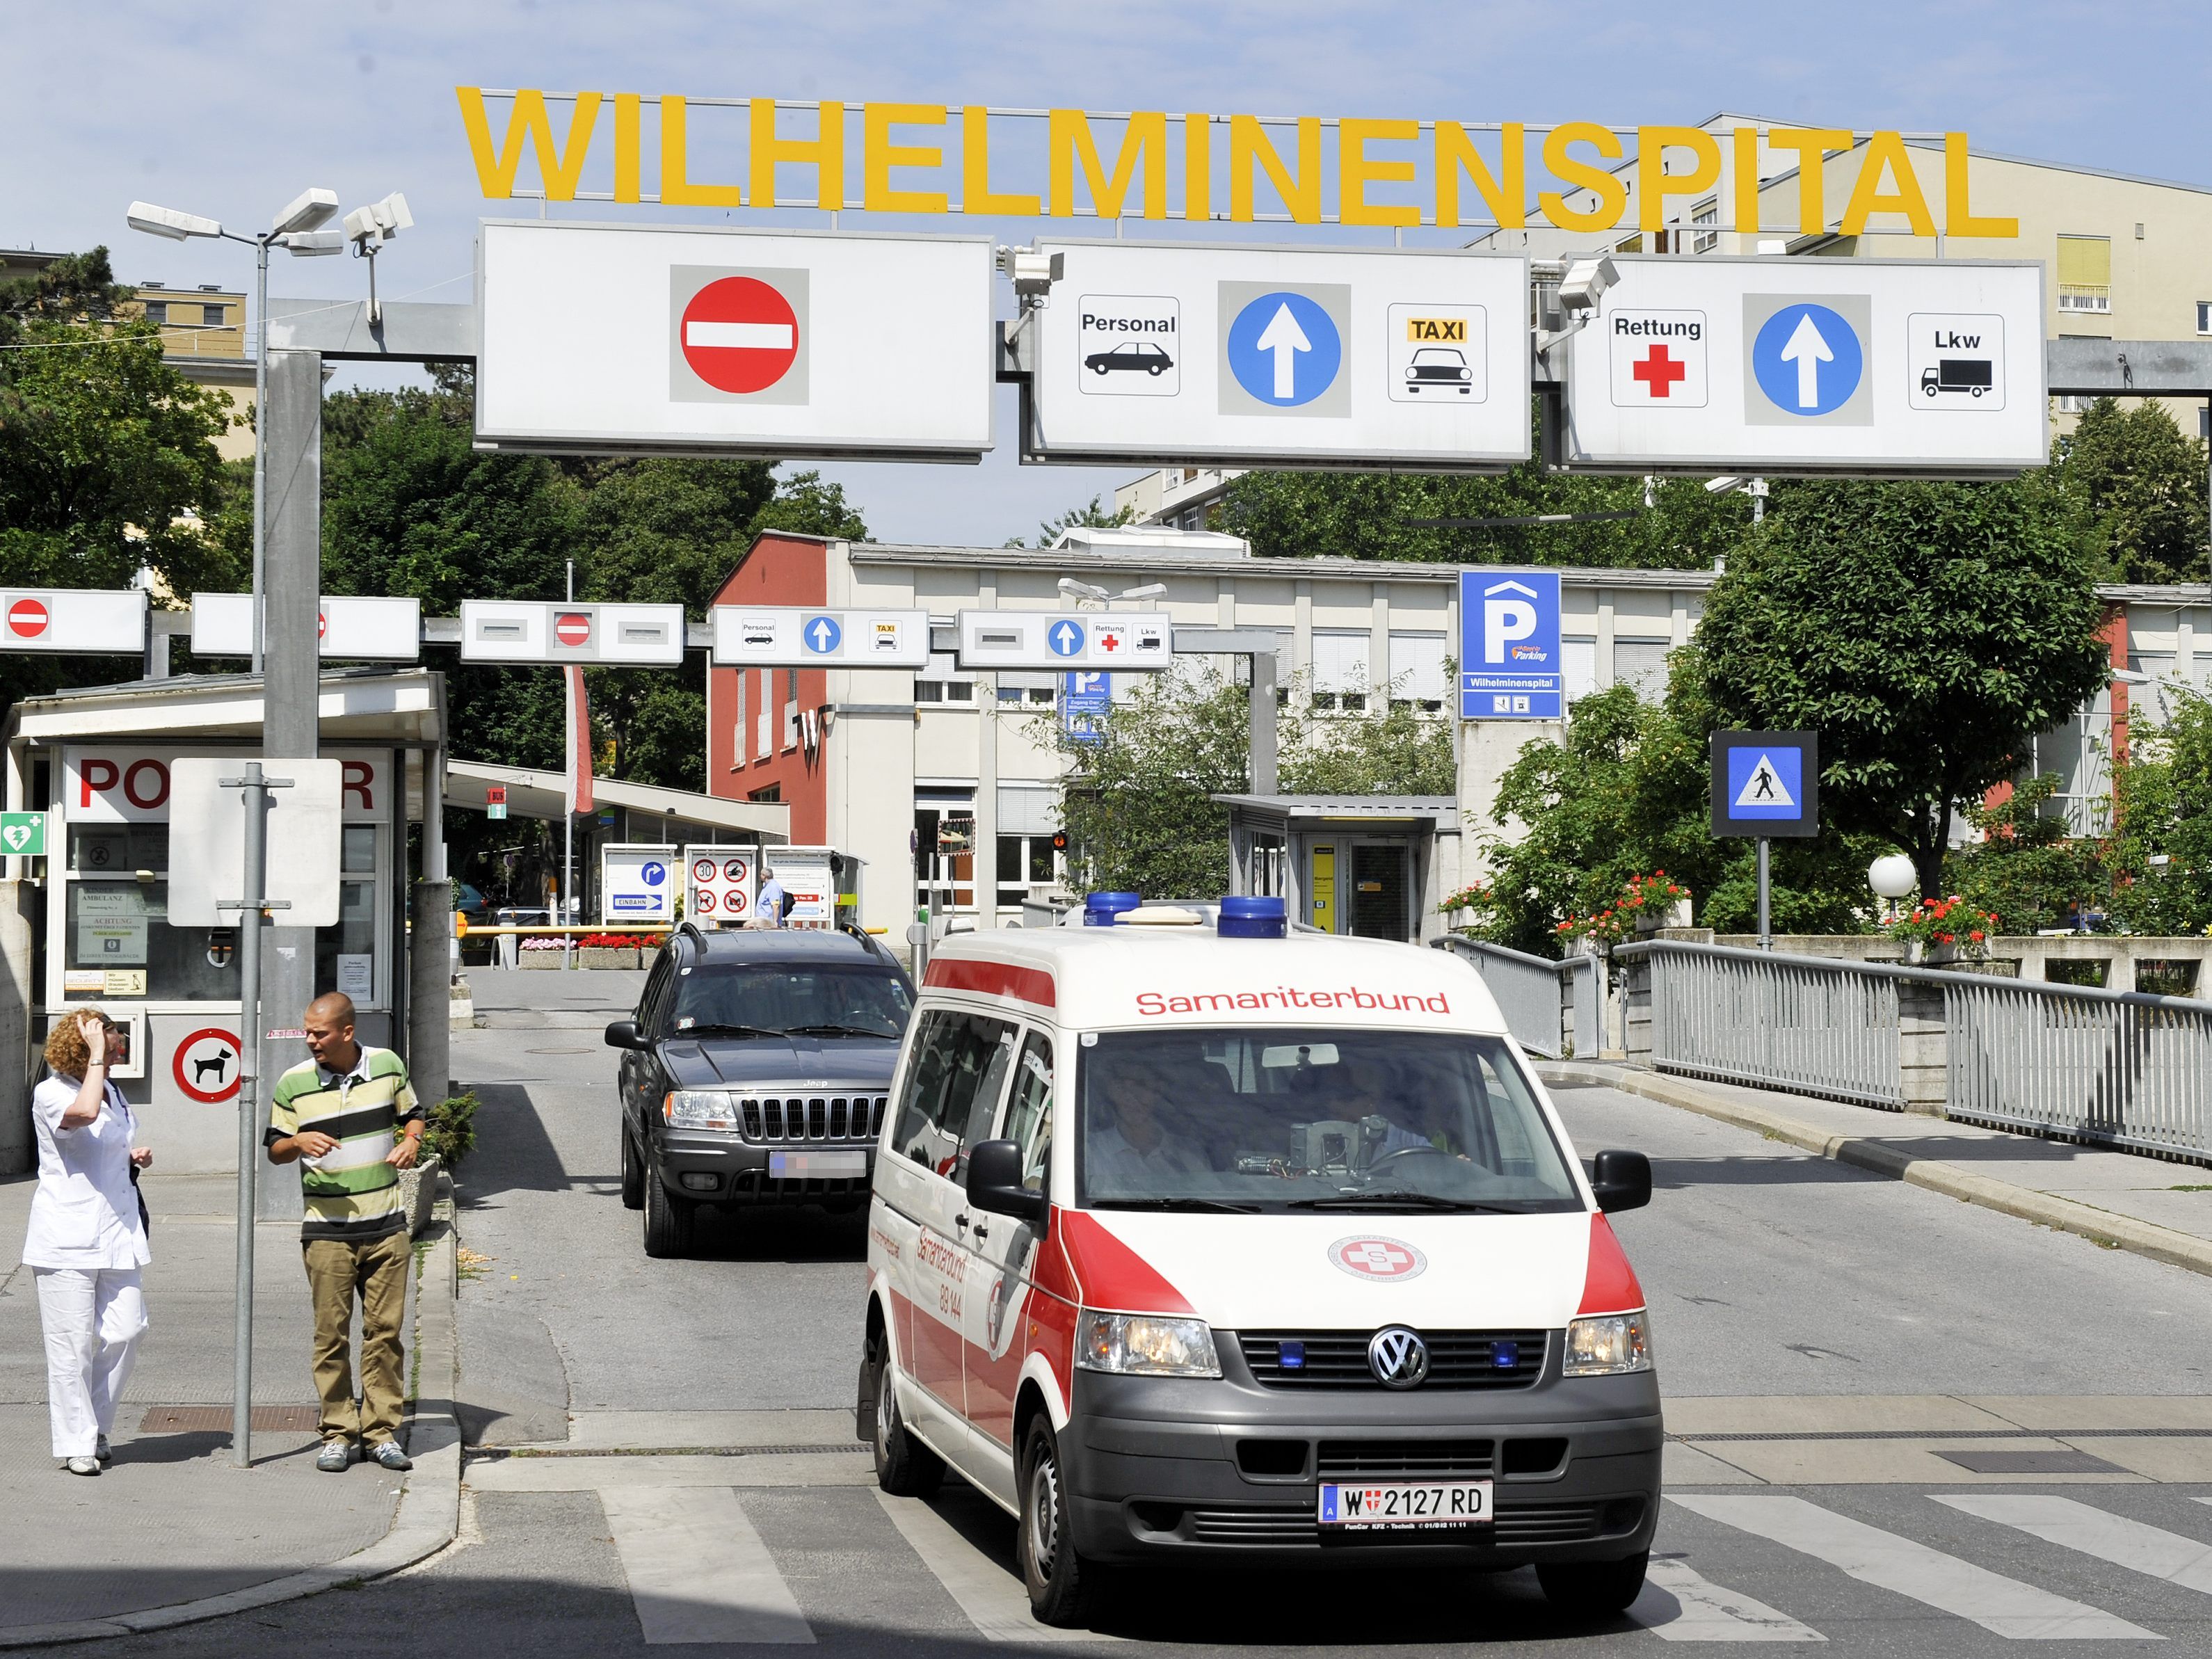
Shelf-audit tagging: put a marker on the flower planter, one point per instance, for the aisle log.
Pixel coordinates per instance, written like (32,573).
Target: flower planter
(607,956)
(1920,953)
(537,959)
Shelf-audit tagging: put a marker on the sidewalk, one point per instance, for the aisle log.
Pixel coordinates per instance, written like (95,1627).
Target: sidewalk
(173,1530)
(2122,1201)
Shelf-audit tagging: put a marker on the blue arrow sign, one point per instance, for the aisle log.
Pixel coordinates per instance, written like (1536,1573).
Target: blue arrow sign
(821,635)
(1284,349)
(1065,638)
(1807,359)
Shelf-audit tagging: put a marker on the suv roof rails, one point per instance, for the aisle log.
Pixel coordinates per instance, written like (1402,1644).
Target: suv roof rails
(874,946)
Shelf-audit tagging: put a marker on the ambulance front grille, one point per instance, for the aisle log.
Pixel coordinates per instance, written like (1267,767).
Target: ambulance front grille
(1338,1359)
(779,1120)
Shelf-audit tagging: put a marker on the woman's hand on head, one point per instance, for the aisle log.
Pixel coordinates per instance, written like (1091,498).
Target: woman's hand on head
(94,1029)
(141,1157)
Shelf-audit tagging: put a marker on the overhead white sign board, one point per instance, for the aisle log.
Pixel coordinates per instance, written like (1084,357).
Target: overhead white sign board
(353,630)
(207,842)
(1243,357)
(1811,366)
(1131,641)
(811,637)
(615,338)
(87,620)
(502,630)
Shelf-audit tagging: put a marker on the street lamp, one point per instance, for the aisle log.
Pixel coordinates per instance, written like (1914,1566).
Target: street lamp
(1892,876)
(297,230)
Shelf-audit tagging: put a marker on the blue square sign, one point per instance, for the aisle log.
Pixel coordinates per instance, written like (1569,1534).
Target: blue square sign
(1765,783)
(1508,646)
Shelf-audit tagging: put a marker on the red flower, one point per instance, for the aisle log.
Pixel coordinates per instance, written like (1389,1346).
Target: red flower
(1976,936)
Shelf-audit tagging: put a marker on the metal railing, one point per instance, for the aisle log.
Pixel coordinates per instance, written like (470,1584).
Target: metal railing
(1551,1008)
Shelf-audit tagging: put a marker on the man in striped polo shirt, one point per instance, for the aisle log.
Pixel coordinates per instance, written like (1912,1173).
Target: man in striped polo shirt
(351,1119)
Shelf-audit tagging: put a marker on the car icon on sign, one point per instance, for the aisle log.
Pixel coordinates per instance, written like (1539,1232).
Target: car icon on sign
(1138,354)
(1441,367)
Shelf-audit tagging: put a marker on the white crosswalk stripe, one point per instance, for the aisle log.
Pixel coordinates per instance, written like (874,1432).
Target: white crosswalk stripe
(2134,1545)
(697,1569)
(1677,1605)
(2004,1606)
(995,1601)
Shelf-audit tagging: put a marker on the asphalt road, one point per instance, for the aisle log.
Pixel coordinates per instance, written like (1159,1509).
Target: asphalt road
(1839,1351)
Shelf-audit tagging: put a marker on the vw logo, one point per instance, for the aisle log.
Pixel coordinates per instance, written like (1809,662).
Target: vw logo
(1398,1356)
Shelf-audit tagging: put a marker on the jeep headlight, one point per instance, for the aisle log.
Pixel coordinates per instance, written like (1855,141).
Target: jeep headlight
(699,1108)
(1609,1344)
(1146,1344)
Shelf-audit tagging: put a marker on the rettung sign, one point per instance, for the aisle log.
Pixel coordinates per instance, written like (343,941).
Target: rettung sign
(938,159)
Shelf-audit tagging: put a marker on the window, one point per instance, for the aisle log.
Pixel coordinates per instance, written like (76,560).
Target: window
(774,792)
(2204,316)
(737,734)
(939,683)
(1340,668)
(1025,864)
(1417,670)
(2085,273)
(1028,688)
(763,717)
(1642,664)
(1029,1112)
(1578,666)
(1707,212)
(213,315)
(780,999)
(2079,750)
(952,1088)
(157,311)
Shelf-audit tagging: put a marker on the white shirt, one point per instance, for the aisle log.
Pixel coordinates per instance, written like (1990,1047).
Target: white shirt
(85,1211)
(769,906)
(1111,1163)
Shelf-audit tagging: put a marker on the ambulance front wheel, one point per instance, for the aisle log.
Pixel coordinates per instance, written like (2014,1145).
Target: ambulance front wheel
(1593,1589)
(1064,1586)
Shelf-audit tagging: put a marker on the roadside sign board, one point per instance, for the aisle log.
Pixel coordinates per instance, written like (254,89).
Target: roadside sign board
(720,881)
(89,621)
(352,628)
(502,630)
(1767,784)
(624,338)
(1778,365)
(207,840)
(1510,666)
(1173,354)
(1084,697)
(494,801)
(805,874)
(637,883)
(814,636)
(1066,640)
(23,835)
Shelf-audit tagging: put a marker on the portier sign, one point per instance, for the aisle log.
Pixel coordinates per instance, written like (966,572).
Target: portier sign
(502,630)
(608,339)
(811,637)
(1065,640)
(1796,366)
(1241,357)
(1508,650)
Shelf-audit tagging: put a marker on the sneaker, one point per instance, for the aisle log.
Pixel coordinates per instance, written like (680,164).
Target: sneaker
(387,1453)
(83,1465)
(335,1456)
(101,1452)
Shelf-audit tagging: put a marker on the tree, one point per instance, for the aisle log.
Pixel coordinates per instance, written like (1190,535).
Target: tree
(2027,870)
(2133,486)
(1926,631)
(1091,516)
(2162,791)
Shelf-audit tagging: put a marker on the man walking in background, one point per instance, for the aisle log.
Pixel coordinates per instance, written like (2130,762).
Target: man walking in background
(350,1118)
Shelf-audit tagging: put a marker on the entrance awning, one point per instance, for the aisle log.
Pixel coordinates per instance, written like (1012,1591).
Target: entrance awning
(1436,812)
(365,706)
(533,794)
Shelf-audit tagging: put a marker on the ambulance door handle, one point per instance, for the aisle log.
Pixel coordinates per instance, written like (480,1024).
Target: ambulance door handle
(960,1222)
(982,1231)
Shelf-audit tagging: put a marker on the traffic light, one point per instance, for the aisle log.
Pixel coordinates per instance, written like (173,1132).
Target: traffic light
(1060,841)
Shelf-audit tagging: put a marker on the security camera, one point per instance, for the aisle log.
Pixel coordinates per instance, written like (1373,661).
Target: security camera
(1586,282)
(1032,273)
(379,221)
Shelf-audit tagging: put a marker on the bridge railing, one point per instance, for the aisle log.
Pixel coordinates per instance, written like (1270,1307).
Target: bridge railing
(1555,1009)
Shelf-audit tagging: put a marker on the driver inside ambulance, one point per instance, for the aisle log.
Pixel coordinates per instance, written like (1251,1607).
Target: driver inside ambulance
(1129,1153)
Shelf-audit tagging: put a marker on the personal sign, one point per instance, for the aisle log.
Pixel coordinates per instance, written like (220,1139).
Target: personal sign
(1766,785)
(810,636)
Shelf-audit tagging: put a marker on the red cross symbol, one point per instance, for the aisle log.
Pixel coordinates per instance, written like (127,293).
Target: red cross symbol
(1109,641)
(1658,371)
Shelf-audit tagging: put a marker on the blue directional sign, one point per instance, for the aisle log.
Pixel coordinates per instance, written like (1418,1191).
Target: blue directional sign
(653,874)
(1510,667)
(1765,783)
(1285,350)
(1807,359)
(821,635)
(1065,638)
(1084,697)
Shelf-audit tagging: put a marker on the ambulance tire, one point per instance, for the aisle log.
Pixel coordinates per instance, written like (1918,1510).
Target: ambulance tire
(633,1172)
(1064,1587)
(668,1219)
(1593,1589)
(904,1467)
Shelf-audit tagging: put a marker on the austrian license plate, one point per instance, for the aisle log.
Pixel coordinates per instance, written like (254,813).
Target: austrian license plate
(818,1166)
(1398,1509)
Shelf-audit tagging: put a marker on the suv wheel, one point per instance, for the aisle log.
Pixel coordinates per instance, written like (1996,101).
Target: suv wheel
(1063,1586)
(632,1172)
(668,1219)
(904,1467)
(1593,1589)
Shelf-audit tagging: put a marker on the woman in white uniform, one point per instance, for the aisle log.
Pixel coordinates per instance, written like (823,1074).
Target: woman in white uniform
(86,1242)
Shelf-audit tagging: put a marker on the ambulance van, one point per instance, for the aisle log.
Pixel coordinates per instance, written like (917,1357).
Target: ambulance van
(1202,1242)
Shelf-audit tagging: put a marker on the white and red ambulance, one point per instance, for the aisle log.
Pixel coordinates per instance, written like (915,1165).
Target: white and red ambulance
(1203,1242)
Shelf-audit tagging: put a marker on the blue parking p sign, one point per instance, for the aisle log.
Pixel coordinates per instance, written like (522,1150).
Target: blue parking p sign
(1508,646)
(1765,784)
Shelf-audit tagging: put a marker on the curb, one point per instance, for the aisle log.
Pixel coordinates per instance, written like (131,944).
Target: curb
(2103,1227)
(424,1523)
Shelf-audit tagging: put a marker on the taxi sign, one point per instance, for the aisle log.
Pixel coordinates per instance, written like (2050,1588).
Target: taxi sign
(811,637)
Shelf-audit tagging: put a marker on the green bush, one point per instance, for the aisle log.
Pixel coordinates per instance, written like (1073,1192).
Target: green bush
(452,1134)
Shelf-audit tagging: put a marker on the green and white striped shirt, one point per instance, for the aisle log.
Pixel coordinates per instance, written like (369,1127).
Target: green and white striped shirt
(350,1192)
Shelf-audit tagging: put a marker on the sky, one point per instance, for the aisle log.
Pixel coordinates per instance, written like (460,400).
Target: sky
(230,112)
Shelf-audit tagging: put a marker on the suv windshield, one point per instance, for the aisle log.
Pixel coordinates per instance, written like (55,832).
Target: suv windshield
(827,1001)
(1300,1119)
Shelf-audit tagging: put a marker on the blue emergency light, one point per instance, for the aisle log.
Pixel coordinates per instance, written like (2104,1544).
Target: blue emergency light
(1290,1356)
(1505,1356)
(1253,917)
(1100,909)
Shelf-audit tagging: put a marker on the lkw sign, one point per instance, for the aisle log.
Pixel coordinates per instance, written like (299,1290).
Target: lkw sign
(1065,640)
(612,339)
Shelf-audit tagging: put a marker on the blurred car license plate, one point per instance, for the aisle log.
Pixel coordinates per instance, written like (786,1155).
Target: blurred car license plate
(816,1165)
(1371,1510)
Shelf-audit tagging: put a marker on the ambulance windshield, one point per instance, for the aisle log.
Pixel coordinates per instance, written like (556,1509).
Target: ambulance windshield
(1291,1119)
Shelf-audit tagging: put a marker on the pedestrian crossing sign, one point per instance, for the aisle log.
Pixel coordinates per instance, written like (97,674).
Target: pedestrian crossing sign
(1764,784)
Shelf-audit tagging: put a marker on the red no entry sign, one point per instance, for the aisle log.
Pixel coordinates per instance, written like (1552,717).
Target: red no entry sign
(740,335)
(27,618)
(572,628)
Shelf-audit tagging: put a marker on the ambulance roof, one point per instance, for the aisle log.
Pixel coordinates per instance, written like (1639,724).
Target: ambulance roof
(1103,978)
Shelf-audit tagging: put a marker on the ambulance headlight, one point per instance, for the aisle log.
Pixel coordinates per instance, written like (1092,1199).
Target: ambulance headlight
(1609,1345)
(699,1108)
(1146,1344)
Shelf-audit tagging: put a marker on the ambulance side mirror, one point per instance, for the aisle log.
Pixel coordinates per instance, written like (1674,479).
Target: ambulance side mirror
(994,1183)
(1621,1181)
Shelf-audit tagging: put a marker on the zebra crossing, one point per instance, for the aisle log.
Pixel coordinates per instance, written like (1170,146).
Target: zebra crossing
(699,1570)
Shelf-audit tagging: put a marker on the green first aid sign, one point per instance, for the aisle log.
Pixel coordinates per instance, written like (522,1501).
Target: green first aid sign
(23,834)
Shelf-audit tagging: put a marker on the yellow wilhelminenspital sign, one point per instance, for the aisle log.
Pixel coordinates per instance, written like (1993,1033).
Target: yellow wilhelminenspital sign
(932,159)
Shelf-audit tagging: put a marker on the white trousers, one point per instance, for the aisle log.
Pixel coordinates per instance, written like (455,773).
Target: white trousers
(94,1318)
